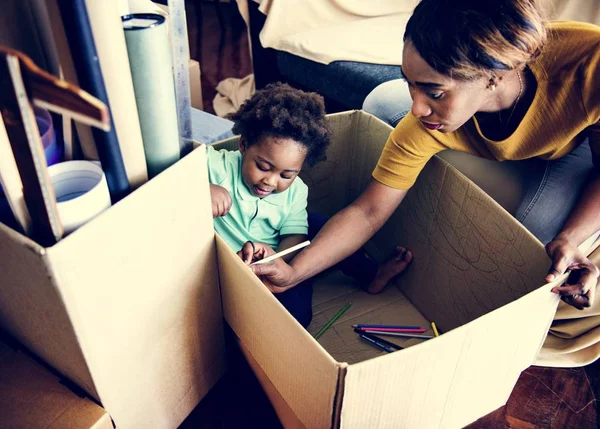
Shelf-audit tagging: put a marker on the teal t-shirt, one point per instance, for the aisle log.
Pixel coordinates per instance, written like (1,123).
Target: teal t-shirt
(251,218)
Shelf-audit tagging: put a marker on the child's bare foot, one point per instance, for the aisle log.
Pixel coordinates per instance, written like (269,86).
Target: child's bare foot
(395,265)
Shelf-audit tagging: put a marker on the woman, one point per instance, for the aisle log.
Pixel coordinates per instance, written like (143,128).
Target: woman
(494,80)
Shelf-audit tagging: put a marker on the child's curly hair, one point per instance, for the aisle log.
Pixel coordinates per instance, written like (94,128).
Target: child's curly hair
(282,111)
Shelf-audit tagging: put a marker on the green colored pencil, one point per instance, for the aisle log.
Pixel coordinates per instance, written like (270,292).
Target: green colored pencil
(332,321)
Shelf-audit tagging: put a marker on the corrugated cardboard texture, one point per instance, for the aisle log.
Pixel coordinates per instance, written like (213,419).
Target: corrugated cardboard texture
(333,290)
(470,255)
(31,307)
(286,415)
(140,286)
(452,380)
(145,322)
(302,372)
(32,397)
(357,141)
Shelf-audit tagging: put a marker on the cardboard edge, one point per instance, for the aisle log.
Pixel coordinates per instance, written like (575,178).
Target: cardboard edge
(28,242)
(338,400)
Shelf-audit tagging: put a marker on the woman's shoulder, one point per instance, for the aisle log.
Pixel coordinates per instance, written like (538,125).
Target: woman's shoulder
(571,40)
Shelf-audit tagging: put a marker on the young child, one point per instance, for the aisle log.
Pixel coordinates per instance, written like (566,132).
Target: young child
(258,200)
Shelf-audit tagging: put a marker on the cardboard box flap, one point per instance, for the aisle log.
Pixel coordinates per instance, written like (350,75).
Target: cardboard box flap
(275,339)
(149,345)
(33,397)
(357,141)
(445,382)
(470,255)
(28,281)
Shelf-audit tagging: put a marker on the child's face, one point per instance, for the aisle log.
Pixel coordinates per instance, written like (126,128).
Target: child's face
(271,165)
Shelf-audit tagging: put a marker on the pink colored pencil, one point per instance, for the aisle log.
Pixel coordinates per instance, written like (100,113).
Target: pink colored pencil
(408,330)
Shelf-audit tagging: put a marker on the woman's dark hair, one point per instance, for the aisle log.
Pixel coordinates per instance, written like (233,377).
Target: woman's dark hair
(281,111)
(467,39)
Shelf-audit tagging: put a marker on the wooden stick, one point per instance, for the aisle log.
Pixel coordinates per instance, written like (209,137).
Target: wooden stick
(21,82)
(28,151)
(56,95)
(11,182)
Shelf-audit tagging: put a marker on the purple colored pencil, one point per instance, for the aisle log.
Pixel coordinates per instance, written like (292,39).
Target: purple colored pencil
(367,326)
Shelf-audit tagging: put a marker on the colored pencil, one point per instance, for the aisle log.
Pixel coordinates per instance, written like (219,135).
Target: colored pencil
(376,343)
(381,340)
(282,253)
(398,334)
(332,321)
(435,331)
(363,325)
(408,331)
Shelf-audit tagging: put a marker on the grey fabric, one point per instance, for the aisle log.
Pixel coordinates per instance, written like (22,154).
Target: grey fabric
(346,82)
(389,101)
(552,191)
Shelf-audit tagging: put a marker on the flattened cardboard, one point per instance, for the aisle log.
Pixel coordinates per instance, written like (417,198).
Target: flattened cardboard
(128,306)
(32,397)
(473,269)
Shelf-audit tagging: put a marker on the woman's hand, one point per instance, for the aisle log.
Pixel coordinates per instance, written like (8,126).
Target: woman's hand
(580,287)
(252,252)
(220,199)
(276,275)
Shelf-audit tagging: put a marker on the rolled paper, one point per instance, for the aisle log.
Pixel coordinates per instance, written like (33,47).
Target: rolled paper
(85,58)
(81,192)
(114,62)
(150,63)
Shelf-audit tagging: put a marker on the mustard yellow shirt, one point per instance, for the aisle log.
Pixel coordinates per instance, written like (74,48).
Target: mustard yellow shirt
(564,111)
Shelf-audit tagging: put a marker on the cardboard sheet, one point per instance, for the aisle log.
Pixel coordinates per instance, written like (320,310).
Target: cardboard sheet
(446,382)
(128,323)
(128,306)
(287,354)
(28,283)
(33,397)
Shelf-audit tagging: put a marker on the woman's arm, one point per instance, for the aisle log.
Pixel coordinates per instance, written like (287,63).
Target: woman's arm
(345,233)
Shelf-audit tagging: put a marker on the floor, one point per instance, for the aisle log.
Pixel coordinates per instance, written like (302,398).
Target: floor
(542,398)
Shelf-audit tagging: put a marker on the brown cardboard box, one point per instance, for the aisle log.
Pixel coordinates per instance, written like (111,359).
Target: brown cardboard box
(128,306)
(33,397)
(476,273)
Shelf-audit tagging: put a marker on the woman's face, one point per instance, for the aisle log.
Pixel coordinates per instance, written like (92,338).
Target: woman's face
(440,102)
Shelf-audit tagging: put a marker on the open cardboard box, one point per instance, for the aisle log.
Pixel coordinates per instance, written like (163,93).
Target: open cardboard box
(33,397)
(477,273)
(128,306)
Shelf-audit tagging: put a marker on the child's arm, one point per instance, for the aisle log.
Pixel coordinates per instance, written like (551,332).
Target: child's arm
(220,199)
(288,241)
(253,251)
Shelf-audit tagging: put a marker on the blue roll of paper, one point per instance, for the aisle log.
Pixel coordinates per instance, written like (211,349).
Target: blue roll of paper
(150,62)
(85,58)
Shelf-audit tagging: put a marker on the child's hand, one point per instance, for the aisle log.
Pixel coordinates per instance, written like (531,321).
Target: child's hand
(252,252)
(221,200)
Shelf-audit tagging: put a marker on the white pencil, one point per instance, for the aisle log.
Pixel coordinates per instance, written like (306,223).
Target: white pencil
(282,253)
